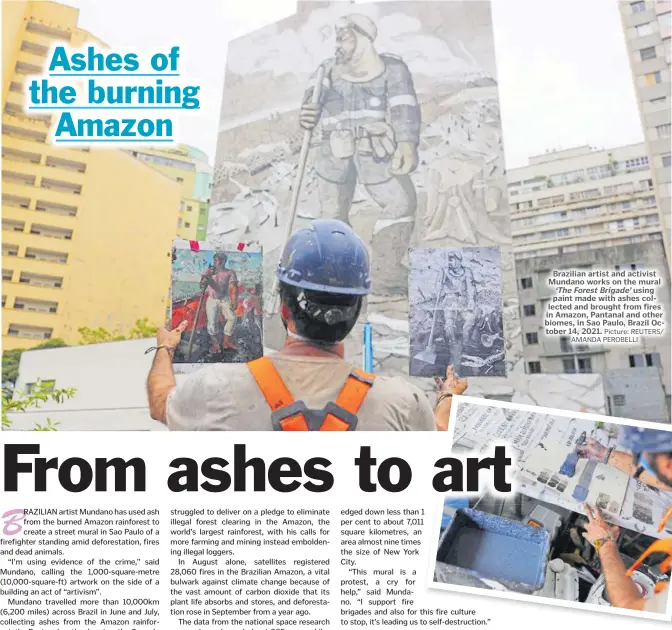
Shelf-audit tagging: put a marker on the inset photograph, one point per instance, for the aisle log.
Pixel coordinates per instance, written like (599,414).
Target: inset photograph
(590,521)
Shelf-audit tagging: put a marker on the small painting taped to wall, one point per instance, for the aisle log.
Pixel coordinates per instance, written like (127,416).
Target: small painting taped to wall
(218,291)
(455,313)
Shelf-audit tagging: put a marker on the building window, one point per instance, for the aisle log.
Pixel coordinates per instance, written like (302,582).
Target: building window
(565,344)
(644,29)
(585,366)
(638,7)
(529,310)
(652,359)
(189,208)
(647,53)
(636,360)
(664,131)
(653,78)
(568,366)
(526,283)
(534,367)
(187,225)
(179,179)
(665,23)
(667,160)
(179,223)
(532,338)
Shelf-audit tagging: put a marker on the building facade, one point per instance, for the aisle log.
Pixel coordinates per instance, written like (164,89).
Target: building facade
(189,167)
(590,209)
(648,28)
(86,235)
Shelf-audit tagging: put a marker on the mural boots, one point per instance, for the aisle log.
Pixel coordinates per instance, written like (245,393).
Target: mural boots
(214,346)
(228,344)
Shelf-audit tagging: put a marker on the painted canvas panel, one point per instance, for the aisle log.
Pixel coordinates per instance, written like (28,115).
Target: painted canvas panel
(396,105)
(455,297)
(219,292)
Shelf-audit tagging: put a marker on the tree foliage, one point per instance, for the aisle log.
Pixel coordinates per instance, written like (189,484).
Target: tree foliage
(12,358)
(41,392)
(141,330)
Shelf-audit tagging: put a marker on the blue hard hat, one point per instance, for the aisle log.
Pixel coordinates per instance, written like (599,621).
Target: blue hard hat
(327,256)
(640,440)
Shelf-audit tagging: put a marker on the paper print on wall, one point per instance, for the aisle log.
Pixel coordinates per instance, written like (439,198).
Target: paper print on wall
(219,292)
(455,312)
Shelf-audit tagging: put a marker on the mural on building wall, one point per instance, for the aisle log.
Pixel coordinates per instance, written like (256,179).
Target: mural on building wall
(401,105)
(218,292)
(455,298)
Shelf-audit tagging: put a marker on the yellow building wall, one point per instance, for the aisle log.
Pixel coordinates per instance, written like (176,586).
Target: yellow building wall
(118,267)
(121,268)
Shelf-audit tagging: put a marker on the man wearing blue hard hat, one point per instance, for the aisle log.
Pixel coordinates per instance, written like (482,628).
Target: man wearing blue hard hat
(324,276)
(649,459)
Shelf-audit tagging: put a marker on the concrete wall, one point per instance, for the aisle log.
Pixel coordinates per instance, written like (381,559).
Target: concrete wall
(636,393)
(110,383)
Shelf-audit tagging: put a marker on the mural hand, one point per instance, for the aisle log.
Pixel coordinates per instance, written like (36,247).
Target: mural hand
(405,159)
(309,115)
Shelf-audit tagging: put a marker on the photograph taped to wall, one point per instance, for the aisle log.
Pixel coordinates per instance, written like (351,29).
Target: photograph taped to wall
(455,312)
(522,545)
(218,291)
(560,459)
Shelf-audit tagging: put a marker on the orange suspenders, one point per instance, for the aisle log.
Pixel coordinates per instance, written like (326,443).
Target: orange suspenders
(290,415)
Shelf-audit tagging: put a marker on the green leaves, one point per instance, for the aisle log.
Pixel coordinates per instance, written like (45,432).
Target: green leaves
(41,392)
(142,330)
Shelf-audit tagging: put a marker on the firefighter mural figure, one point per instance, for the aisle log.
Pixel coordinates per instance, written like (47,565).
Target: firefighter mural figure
(370,133)
(221,287)
(459,305)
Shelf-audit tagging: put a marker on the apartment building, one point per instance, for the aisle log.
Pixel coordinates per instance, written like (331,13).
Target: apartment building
(86,235)
(590,209)
(647,25)
(189,167)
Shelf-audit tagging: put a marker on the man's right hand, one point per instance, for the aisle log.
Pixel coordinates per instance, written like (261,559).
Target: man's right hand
(309,115)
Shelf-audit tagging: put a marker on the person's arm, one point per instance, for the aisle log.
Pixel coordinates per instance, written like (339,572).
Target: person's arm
(621,589)
(451,386)
(161,378)
(592,449)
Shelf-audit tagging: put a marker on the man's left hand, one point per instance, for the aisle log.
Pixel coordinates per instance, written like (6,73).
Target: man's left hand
(452,384)
(171,338)
(405,159)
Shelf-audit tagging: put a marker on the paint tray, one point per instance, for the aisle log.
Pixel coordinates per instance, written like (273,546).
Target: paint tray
(479,549)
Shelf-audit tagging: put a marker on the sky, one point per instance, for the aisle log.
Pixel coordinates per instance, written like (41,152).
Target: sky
(563,71)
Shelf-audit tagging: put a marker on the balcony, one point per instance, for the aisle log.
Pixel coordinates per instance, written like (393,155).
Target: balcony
(7,275)
(30,55)
(16,114)
(51,231)
(15,177)
(51,32)
(24,240)
(557,347)
(35,306)
(10,225)
(27,69)
(14,201)
(59,185)
(47,255)
(15,155)
(38,280)
(10,250)
(31,135)
(67,165)
(29,332)
(59,209)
